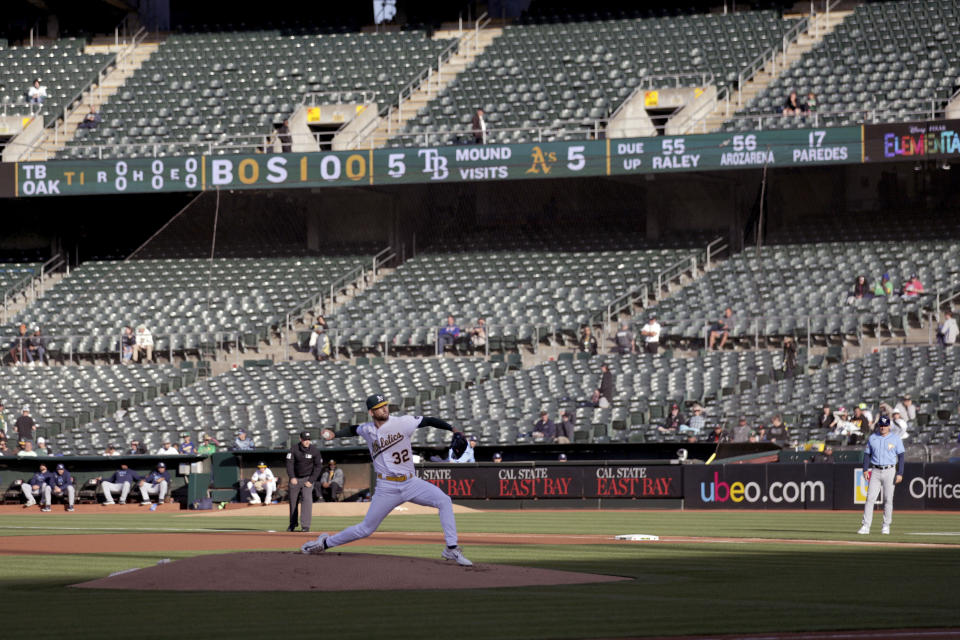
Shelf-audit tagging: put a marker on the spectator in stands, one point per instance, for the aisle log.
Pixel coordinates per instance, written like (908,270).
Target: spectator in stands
(947,330)
(741,432)
(544,427)
(26,449)
(883,288)
(810,105)
(91,120)
(860,290)
(906,408)
(38,487)
(898,425)
(262,480)
(479,127)
(42,448)
(319,343)
(207,446)
(168,449)
(156,483)
(603,395)
(121,480)
(61,484)
(331,482)
(845,428)
(111,451)
(912,287)
(824,456)
(792,106)
(4,449)
(651,334)
(136,449)
(449,334)
(127,341)
(37,93)
(187,447)
(722,329)
(789,357)
(779,432)
(478,335)
(717,435)
(283,134)
(242,443)
(673,421)
(3,422)
(18,347)
(860,420)
(696,422)
(497,457)
(588,344)
(761,433)
(625,340)
(562,457)
(564,428)
(36,347)
(826,420)
(25,425)
(143,347)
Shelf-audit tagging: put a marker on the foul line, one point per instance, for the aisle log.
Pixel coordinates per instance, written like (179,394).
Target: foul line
(53,528)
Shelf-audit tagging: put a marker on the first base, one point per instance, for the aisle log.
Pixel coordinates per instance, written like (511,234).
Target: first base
(637,537)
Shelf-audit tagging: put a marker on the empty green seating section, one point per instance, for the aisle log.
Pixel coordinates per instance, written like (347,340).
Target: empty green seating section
(240,299)
(563,77)
(777,293)
(930,374)
(65,400)
(887,62)
(547,285)
(274,403)
(14,273)
(62,67)
(230,89)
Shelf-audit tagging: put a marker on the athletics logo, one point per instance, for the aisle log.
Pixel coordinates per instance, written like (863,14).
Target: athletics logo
(542,162)
(434,163)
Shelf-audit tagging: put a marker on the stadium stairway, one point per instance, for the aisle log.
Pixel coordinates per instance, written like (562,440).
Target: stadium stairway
(472,44)
(56,137)
(819,26)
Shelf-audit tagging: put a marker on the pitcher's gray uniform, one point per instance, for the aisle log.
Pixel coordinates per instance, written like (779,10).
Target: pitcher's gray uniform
(397,481)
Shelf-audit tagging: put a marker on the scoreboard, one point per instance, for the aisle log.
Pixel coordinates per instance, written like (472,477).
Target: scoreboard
(464,163)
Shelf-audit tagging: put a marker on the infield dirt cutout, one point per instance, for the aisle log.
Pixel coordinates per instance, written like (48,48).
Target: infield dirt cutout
(330,571)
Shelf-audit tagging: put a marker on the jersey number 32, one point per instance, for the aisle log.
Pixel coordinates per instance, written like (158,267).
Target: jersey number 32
(401,456)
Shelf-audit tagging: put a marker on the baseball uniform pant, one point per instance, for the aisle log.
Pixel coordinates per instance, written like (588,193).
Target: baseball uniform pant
(158,489)
(880,478)
(110,487)
(388,496)
(302,493)
(70,492)
(43,492)
(269,488)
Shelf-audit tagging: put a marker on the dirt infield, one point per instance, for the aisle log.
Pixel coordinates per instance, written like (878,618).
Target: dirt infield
(82,543)
(293,571)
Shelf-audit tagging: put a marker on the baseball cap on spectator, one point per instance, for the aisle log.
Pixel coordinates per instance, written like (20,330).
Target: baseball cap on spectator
(862,406)
(673,406)
(60,466)
(497,456)
(40,440)
(471,438)
(743,419)
(562,457)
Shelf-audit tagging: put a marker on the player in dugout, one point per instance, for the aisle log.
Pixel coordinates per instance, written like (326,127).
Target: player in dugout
(388,438)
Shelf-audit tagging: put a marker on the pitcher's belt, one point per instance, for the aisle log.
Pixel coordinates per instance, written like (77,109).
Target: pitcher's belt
(394,478)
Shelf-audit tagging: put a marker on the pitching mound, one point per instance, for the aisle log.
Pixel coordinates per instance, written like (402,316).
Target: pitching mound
(288,571)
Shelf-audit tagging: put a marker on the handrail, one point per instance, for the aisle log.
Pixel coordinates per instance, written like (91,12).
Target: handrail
(367,96)
(872,114)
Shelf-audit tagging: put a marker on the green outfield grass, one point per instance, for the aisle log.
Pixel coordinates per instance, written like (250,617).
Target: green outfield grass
(677,588)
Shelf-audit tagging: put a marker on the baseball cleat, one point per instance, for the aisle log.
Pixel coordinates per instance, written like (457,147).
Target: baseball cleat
(314,547)
(885,531)
(69,508)
(456,554)
(863,531)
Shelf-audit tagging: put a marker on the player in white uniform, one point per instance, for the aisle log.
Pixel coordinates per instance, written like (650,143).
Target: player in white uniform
(388,438)
(262,480)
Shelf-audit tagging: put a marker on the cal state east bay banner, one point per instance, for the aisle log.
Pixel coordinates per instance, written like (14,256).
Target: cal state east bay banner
(934,140)
(434,165)
(556,481)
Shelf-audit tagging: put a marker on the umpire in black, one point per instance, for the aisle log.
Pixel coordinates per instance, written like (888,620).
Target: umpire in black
(304,466)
